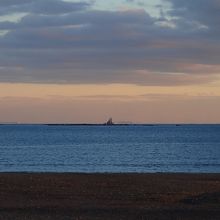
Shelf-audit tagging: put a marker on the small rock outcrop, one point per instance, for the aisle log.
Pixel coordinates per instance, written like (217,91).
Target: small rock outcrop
(109,122)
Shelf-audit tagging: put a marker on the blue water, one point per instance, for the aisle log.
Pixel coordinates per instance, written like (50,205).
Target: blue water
(161,148)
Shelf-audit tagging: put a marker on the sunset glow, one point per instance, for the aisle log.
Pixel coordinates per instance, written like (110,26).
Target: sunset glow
(84,61)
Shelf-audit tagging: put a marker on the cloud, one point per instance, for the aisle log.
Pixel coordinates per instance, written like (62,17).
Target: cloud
(60,42)
(44,7)
(203,11)
(138,2)
(9,3)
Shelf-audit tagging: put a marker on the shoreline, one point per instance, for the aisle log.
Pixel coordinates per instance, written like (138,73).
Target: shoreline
(28,195)
(119,124)
(108,173)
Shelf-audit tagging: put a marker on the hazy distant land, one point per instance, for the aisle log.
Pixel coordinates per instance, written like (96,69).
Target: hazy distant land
(103,124)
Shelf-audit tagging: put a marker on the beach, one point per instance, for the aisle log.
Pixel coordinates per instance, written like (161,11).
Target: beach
(109,196)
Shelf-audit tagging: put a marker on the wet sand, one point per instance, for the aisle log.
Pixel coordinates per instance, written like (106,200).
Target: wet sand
(109,196)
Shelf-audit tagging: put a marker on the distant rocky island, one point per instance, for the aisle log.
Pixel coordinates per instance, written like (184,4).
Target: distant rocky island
(109,122)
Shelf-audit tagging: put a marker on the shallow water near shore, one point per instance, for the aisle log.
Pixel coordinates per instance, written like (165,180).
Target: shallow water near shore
(90,149)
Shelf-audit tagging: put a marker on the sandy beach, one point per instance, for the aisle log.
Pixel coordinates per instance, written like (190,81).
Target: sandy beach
(109,196)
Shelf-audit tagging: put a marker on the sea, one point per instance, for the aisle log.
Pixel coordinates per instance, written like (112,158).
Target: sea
(110,149)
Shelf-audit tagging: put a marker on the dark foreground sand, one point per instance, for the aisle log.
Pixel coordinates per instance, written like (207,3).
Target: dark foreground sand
(109,196)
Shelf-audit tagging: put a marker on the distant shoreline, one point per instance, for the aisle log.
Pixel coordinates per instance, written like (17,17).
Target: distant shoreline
(113,125)
(105,125)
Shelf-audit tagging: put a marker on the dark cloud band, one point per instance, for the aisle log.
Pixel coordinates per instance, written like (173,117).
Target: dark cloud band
(61,42)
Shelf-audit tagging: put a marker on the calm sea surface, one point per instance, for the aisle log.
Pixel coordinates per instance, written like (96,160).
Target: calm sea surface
(161,148)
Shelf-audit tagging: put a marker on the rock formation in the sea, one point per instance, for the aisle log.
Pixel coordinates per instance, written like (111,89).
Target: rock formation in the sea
(109,122)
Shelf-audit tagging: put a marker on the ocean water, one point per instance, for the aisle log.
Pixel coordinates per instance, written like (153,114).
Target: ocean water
(160,148)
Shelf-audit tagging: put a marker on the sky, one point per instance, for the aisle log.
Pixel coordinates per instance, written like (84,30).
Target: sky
(139,61)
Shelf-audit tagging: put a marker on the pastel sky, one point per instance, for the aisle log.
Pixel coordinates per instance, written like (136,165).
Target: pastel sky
(140,61)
